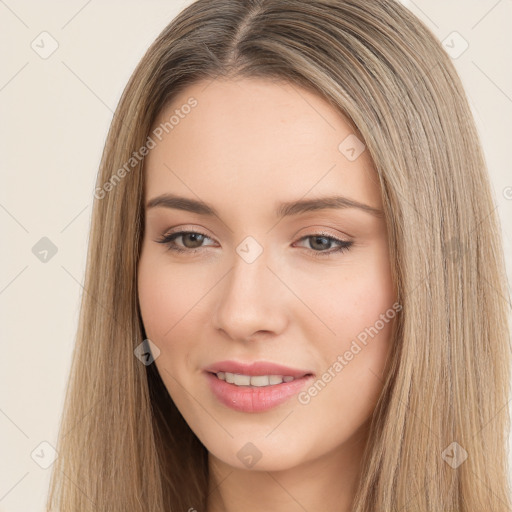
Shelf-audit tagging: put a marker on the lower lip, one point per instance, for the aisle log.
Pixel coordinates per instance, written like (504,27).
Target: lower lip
(254,399)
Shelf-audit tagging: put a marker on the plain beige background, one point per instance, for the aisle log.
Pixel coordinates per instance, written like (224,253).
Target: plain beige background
(55,112)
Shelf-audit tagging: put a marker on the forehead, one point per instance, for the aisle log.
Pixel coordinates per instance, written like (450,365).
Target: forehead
(254,137)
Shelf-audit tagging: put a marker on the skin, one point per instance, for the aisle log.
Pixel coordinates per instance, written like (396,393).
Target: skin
(247,146)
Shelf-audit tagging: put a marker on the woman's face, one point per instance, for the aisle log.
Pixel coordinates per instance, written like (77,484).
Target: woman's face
(275,274)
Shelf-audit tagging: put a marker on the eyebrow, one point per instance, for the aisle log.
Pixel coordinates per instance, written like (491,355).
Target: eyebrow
(285,209)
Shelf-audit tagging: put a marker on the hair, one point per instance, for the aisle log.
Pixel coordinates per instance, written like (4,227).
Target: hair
(124,446)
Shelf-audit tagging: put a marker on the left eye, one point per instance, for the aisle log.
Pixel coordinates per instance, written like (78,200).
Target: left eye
(192,242)
(319,241)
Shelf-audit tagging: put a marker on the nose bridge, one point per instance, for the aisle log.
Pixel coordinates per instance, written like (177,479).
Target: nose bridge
(250,270)
(249,301)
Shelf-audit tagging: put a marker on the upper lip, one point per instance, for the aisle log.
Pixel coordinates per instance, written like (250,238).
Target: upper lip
(256,368)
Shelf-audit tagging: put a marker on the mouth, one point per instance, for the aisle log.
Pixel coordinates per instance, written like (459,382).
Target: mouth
(264,372)
(255,387)
(256,381)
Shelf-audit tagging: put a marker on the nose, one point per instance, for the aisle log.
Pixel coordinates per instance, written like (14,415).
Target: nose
(251,302)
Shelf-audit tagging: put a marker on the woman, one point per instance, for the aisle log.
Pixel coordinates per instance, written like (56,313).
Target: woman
(295,283)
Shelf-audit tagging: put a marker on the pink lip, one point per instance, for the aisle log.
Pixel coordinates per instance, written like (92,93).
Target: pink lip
(256,368)
(255,399)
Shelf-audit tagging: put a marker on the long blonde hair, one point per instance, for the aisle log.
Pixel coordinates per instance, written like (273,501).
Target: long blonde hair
(123,445)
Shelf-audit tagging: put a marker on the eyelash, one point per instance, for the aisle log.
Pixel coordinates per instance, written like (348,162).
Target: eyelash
(168,240)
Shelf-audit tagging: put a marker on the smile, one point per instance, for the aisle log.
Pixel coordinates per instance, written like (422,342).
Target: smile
(267,391)
(253,380)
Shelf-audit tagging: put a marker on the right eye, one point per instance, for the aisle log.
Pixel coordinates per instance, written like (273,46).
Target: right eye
(193,237)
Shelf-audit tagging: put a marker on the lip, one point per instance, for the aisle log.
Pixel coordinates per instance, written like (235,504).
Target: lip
(256,368)
(255,399)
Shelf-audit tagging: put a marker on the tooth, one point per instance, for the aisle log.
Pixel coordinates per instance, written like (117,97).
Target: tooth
(259,380)
(242,380)
(275,379)
(256,380)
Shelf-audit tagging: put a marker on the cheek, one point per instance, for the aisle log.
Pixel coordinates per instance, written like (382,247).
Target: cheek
(174,310)
(368,295)
(168,297)
(359,308)
(355,296)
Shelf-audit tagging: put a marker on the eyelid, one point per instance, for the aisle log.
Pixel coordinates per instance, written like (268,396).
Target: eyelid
(323,231)
(184,229)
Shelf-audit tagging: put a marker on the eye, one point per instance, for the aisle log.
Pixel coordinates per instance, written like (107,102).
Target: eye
(319,241)
(192,241)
